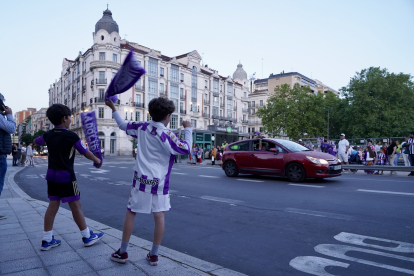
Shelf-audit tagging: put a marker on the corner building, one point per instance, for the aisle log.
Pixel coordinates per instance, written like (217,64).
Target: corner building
(215,105)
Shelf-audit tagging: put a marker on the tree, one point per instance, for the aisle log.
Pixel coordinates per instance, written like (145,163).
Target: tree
(27,138)
(378,104)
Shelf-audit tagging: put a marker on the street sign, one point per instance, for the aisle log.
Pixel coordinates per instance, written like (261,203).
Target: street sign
(199,137)
(229,129)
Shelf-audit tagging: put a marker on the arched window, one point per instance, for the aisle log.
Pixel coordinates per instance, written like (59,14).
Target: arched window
(194,87)
(101,133)
(113,134)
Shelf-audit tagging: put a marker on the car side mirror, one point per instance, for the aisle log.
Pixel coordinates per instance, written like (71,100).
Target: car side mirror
(274,150)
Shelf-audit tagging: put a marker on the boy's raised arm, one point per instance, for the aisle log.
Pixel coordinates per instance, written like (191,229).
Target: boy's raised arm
(121,123)
(40,141)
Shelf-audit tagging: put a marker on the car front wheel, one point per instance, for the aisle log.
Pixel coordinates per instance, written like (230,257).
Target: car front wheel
(230,169)
(295,173)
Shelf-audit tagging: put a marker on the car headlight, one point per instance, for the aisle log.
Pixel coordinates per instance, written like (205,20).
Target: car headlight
(317,160)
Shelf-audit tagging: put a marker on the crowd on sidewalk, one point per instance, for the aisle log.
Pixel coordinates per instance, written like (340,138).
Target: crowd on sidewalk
(23,155)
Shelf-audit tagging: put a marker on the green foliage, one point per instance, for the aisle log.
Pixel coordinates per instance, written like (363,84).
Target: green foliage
(375,103)
(27,138)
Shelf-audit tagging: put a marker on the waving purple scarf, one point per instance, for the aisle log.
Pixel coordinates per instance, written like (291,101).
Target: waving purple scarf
(127,76)
(90,128)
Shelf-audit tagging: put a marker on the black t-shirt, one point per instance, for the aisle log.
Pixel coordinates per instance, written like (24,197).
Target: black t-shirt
(60,143)
(14,150)
(390,149)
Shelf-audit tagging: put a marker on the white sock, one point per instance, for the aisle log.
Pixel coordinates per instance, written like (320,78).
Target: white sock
(86,233)
(47,236)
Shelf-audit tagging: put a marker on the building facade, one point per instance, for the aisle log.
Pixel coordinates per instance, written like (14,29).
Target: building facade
(262,89)
(21,115)
(215,105)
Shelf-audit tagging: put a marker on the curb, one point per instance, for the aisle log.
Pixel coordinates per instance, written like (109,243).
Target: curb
(176,256)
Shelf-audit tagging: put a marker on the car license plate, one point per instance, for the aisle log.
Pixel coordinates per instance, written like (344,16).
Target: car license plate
(338,167)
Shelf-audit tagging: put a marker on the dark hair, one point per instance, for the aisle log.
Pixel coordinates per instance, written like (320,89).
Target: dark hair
(393,143)
(369,140)
(412,132)
(325,140)
(160,107)
(378,142)
(56,112)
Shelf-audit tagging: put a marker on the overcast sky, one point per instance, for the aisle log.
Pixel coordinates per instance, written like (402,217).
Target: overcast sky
(324,40)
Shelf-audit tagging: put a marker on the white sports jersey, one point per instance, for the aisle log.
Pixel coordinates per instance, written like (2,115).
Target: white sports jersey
(156,150)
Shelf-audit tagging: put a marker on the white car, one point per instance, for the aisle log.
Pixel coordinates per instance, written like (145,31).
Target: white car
(35,153)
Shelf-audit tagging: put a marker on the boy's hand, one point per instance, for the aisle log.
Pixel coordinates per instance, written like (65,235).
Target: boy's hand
(111,105)
(97,163)
(186,124)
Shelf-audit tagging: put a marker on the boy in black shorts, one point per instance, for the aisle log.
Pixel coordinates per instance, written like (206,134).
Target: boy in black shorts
(61,179)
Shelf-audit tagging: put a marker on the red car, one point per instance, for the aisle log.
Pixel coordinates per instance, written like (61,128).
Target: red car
(278,157)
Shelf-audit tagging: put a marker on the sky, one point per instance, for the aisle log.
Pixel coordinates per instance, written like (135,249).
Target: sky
(325,40)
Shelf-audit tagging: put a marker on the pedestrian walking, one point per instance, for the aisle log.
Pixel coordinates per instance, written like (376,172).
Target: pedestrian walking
(392,149)
(157,146)
(219,154)
(23,159)
(410,145)
(381,160)
(398,152)
(343,147)
(378,147)
(61,178)
(14,154)
(194,155)
(213,156)
(200,155)
(103,152)
(7,127)
(405,152)
(29,154)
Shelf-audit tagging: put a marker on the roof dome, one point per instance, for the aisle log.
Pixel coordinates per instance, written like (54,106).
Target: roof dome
(107,23)
(240,73)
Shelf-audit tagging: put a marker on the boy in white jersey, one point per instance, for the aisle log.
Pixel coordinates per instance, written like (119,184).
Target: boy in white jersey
(156,150)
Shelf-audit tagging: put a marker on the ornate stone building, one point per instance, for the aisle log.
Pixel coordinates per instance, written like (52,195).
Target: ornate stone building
(215,105)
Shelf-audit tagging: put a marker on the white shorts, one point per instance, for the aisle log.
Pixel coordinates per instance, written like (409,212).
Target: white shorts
(343,157)
(141,202)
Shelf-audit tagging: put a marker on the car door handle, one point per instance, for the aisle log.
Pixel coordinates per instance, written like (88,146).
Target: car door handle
(251,155)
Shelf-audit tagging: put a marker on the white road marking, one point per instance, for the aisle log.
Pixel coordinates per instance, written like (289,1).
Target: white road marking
(304,185)
(355,239)
(84,175)
(339,251)
(373,179)
(42,175)
(32,176)
(172,191)
(385,192)
(210,176)
(177,173)
(219,199)
(315,265)
(100,171)
(317,213)
(111,166)
(250,180)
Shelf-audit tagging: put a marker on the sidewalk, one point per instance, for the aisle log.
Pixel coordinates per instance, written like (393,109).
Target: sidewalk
(22,231)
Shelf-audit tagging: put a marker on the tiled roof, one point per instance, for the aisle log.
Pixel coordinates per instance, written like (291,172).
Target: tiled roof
(181,56)
(129,47)
(206,72)
(69,60)
(165,58)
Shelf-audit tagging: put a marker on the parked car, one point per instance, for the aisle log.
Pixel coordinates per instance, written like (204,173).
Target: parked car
(278,157)
(35,153)
(44,151)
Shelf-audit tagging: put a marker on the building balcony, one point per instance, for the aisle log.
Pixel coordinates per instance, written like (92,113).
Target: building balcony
(244,99)
(73,96)
(105,64)
(182,97)
(245,121)
(230,97)
(245,110)
(207,102)
(139,87)
(215,94)
(194,100)
(215,116)
(206,115)
(139,105)
(83,105)
(251,106)
(183,111)
(99,100)
(222,105)
(235,108)
(163,94)
(83,88)
(100,81)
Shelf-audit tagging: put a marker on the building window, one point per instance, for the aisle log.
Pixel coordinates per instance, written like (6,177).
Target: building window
(114,58)
(244,129)
(215,101)
(153,67)
(101,56)
(181,92)
(175,101)
(193,94)
(229,108)
(245,94)
(174,90)
(137,116)
(215,110)
(161,88)
(229,89)
(194,77)
(174,120)
(101,112)
(161,72)
(101,93)
(149,117)
(174,73)
(101,76)
(261,102)
(215,85)
(181,106)
(152,86)
(113,75)
(205,84)
(261,129)
(181,121)
(138,98)
(193,123)
(221,88)
(182,77)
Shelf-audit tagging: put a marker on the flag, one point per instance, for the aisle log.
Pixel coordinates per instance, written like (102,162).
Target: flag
(125,78)
(90,129)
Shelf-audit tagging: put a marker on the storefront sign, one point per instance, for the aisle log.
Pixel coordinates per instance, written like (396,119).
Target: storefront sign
(199,137)
(223,129)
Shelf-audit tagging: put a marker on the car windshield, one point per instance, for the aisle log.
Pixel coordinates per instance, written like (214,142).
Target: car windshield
(291,146)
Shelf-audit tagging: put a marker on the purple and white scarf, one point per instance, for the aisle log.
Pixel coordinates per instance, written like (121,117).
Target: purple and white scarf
(90,128)
(127,76)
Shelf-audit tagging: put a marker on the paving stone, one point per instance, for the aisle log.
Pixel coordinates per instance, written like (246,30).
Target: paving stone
(23,252)
(66,230)
(72,268)
(109,239)
(97,249)
(226,272)
(90,274)
(72,236)
(31,272)
(136,254)
(20,265)
(8,220)
(12,231)
(163,265)
(13,237)
(102,262)
(76,243)
(63,247)
(9,226)
(126,270)
(59,258)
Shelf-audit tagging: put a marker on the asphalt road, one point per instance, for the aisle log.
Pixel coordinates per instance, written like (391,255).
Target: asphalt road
(262,225)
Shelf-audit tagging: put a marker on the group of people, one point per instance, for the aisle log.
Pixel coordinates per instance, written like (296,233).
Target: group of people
(215,153)
(23,155)
(369,155)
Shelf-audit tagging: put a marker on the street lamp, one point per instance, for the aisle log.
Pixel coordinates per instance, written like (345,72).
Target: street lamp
(327,134)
